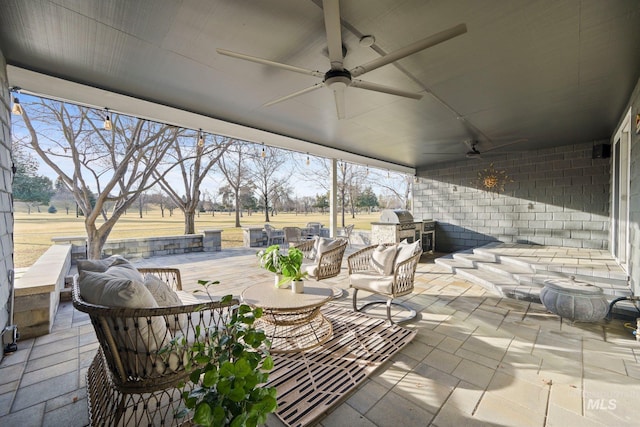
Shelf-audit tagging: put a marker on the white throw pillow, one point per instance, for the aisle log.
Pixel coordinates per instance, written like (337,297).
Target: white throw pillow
(126,271)
(166,297)
(406,250)
(325,245)
(135,337)
(382,259)
(100,265)
(162,293)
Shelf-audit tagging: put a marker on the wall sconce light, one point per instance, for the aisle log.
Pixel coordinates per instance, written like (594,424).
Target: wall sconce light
(416,179)
(264,153)
(107,120)
(367,172)
(308,159)
(200,139)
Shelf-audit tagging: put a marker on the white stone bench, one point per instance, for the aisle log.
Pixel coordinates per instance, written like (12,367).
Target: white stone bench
(37,291)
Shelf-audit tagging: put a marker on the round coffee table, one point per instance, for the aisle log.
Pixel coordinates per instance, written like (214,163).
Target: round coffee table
(293,322)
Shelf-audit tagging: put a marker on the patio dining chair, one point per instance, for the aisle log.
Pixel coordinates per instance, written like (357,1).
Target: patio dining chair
(292,235)
(313,229)
(274,235)
(346,232)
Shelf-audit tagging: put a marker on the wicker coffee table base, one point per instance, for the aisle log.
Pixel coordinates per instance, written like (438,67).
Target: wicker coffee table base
(295,330)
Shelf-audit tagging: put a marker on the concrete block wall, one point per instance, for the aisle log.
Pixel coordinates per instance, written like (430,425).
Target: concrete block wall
(557,196)
(6,205)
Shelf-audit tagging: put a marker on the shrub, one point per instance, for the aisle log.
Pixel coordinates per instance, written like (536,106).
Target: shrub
(52,209)
(230,372)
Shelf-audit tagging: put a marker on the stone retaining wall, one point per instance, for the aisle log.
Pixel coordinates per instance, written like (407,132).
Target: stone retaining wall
(209,241)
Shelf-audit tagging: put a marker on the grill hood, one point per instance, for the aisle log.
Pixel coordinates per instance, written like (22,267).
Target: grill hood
(396,216)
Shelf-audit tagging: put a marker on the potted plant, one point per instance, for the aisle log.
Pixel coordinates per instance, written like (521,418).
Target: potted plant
(270,261)
(291,269)
(229,371)
(286,267)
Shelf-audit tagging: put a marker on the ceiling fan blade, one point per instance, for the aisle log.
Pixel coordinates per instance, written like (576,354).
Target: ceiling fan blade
(505,144)
(293,95)
(432,40)
(384,89)
(268,62)
(333,26)
(338,94)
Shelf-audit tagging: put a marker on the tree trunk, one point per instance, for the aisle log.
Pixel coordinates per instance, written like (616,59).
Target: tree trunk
(266,208)
(189,221)
(95,242)
(238,209)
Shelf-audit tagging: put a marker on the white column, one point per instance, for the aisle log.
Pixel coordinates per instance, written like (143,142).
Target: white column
(333,199)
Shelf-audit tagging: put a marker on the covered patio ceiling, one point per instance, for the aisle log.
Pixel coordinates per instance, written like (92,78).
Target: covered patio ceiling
(526,75)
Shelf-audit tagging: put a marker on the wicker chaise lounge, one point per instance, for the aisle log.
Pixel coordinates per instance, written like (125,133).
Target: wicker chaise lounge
(133,379)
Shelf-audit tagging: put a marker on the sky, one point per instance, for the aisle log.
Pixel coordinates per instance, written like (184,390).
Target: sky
(304,175)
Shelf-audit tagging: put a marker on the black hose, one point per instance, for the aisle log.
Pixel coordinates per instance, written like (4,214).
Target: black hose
(617,300)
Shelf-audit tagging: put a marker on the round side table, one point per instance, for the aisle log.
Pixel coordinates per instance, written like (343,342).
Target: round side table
(576,301)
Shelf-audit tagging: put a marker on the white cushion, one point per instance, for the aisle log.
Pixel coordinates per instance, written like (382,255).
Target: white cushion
(372,282)
(162,293)
(310,269)
(406,250)
(100,265)
(325,245)
(92,282)
(138,335)
(382,259)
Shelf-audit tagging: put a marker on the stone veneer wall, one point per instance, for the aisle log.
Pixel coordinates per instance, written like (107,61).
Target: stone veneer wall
(634,194)
(139,247)
(559,196)
(6,205)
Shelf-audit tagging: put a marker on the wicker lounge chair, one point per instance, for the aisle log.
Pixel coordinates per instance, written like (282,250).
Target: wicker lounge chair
(133,379)
(328,263)
(364,275)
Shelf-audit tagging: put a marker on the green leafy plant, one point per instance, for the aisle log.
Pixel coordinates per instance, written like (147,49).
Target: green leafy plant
(288,265)
(270,259)
(229,371)
(291,266)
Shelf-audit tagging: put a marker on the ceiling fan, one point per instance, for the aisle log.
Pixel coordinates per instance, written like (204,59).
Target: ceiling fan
(473,151)
(338,78)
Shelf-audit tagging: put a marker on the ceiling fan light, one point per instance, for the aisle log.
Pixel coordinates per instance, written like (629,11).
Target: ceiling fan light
(367,41)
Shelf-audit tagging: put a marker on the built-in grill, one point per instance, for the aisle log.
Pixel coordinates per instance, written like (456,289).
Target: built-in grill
(394,226)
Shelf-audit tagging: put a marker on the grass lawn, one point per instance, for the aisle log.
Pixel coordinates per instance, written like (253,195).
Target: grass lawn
(33,232)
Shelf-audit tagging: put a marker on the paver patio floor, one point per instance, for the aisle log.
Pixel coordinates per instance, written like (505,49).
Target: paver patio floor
(477,359)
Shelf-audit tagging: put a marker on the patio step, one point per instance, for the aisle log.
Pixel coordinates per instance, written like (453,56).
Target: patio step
(520,271)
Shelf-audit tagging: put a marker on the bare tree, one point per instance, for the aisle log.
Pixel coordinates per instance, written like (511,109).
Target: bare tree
(194,158)
(234,168)
(63,197)
(349,180)
(399,185)
(264,173)
(118,164)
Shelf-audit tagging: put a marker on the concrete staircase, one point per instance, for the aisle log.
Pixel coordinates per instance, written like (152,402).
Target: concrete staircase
(519,271)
